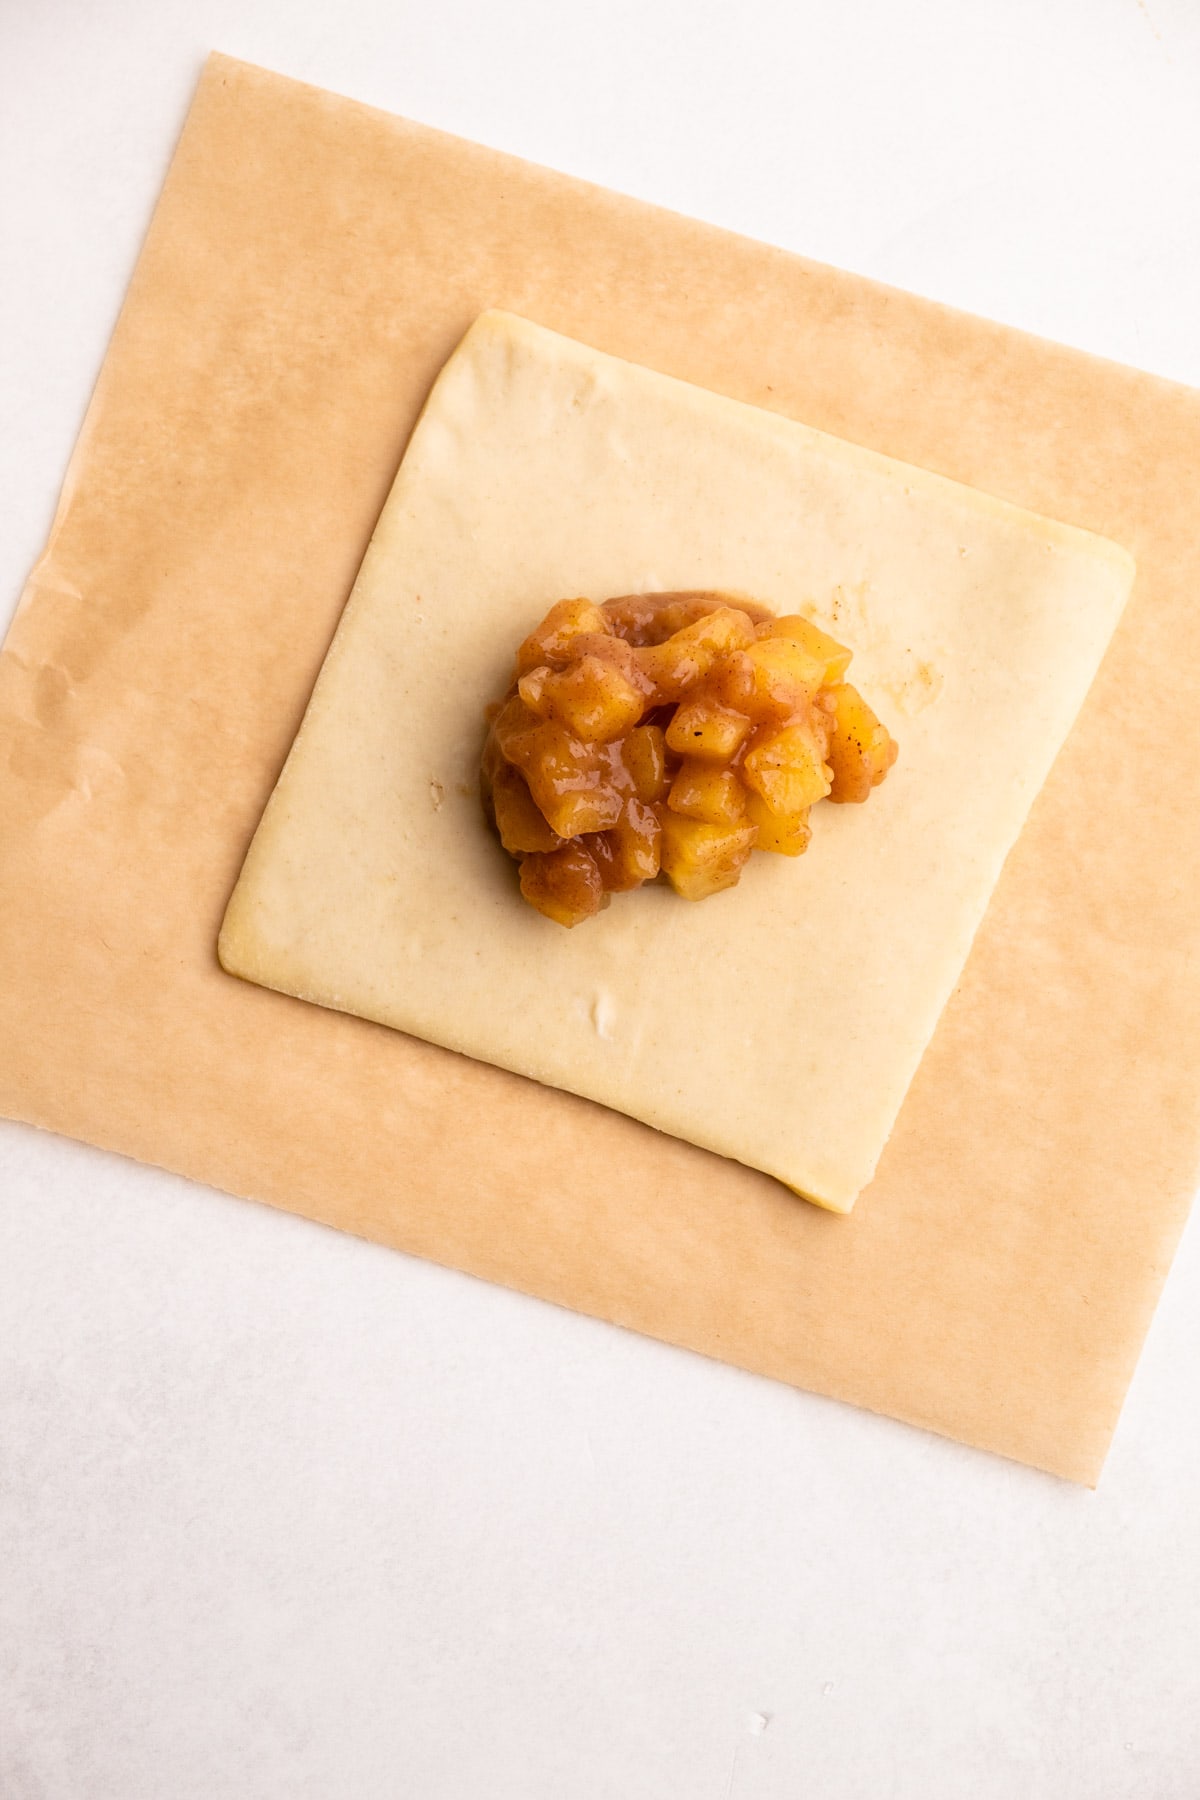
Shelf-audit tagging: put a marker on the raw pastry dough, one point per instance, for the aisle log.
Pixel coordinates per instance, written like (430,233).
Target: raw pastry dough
(782,1022)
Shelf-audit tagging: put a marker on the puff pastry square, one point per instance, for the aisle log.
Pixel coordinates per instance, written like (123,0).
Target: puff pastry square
(779,1023)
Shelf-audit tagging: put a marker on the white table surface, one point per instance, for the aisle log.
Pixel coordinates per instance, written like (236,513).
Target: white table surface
(284,1514)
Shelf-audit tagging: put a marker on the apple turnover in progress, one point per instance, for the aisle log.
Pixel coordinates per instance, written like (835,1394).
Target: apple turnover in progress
(669,734)
(781,1022)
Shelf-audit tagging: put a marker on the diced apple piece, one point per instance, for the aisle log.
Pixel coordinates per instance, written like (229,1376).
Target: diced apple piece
(518,820)
(788,770)
(554,640)
(704,727)
(628,853)
(570,781)
(565,884)
(702,791)
(798,630)
(861,750)
(594,699)
(511,726)
(787,834)
(653,618)
(771,680)
(698,859)
(645,756)
(671,668)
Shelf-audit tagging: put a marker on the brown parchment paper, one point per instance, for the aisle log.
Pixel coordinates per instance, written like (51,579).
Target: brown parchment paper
(310,265)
